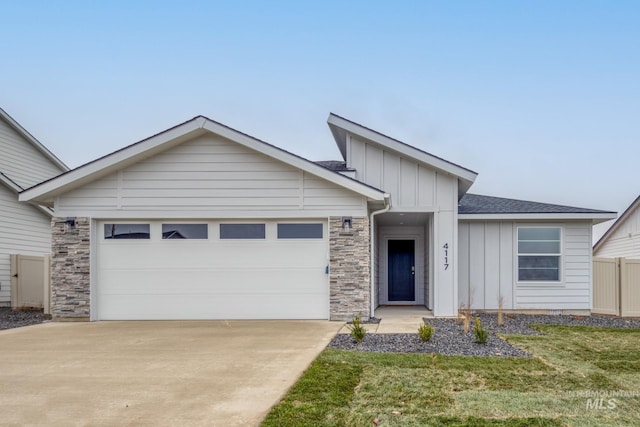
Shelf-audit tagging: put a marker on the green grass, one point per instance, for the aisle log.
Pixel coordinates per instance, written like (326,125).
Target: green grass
(343,388)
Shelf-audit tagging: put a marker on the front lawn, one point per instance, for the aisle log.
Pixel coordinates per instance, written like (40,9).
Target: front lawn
(580,376)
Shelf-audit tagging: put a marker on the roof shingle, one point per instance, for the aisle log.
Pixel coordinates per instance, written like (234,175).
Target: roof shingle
(477,204)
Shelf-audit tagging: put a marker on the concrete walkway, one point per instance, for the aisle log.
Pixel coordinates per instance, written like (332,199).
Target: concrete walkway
(396,320)
(170,373)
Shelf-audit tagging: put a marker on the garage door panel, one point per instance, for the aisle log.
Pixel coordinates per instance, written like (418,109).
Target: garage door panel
(197,256)
(204,281)
(213,278)
(137,307)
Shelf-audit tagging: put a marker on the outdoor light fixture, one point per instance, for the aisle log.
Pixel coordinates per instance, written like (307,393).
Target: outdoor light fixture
(346,223)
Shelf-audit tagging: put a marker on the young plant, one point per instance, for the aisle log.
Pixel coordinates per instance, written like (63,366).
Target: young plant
(482,335)
(426,331)
(500,311)
(358,332)
(465,314)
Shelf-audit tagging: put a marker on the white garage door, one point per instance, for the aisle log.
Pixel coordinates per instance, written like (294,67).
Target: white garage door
(211,270)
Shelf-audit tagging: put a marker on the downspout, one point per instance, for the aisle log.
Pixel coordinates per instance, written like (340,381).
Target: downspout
(387,206)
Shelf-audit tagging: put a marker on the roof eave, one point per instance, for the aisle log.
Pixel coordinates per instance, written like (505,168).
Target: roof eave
(16,189)
(37,144)
(595,218)
(632,207)
(340,126)
(46,191)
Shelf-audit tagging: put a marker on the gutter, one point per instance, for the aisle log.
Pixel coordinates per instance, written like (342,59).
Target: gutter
(372,243)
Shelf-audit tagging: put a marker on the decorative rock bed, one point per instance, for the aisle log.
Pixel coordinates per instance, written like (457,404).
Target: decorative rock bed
(10,318)
(449,338)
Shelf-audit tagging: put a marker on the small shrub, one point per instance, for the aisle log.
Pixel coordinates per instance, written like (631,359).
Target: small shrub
(426,331)
(482,335)
(358,332)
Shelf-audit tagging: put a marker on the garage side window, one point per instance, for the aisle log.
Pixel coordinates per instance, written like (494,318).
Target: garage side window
(185,231)
(539,252)
(299,231)
(242,231)
(126,231)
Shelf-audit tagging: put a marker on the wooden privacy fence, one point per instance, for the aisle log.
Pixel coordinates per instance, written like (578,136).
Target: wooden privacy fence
(30,281)
(616,286)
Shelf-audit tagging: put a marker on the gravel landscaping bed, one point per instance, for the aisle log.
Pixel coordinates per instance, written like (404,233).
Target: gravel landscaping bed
(449,338)
(14,319)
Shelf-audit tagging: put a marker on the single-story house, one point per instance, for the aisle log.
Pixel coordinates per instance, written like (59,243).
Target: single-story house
(25,229)
(202,221)
(622,239)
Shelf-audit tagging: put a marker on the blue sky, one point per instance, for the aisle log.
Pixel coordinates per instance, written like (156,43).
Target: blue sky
(541,98)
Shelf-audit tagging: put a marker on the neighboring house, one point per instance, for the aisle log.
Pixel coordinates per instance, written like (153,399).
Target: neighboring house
(204,222)
(24,229)
(622,239)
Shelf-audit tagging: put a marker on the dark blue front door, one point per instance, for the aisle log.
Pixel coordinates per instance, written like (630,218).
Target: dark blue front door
(401,266)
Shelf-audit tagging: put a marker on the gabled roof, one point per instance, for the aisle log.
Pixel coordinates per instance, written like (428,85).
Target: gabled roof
(47,190)
(340,127)
(13,186)
(475,206)
(32,140)
(626,214)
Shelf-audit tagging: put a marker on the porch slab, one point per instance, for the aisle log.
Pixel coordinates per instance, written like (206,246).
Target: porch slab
(400,319)
(395,320)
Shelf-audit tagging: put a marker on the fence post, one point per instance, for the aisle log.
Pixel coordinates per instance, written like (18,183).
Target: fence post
(619,274)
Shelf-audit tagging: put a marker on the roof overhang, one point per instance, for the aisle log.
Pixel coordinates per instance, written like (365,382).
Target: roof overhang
(45,192)
(341,128)
(15,188)
(32,140)
(595,218)
(632,207)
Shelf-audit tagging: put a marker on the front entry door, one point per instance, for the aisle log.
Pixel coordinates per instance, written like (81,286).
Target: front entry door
(401,266)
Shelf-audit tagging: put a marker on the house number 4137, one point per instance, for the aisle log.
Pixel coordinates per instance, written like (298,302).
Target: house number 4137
(445,247)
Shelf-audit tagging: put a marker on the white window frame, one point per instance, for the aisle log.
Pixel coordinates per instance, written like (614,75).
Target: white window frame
(559,254)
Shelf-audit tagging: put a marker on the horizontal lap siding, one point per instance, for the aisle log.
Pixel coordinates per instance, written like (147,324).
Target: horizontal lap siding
(625,241)
(21,161)
(575,290)
(23,230)
(211,174)
(488,268)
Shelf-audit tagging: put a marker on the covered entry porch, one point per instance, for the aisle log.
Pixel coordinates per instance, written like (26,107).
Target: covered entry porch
(402,261)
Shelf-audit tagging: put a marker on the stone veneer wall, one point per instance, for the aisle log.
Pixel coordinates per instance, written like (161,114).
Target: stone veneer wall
(350,269)
(70,269)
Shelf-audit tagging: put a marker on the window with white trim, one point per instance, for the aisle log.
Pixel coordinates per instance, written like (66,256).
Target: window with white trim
(539,254)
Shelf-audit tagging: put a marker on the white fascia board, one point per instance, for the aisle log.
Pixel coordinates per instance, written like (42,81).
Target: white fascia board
(129,155)
(621,220)
(16,189)
(404,149)
(293,160)
(109,163)
(37,144)
(596,218)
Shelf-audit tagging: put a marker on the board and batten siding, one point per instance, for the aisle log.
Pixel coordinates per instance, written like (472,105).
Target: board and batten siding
(624,242)
(412,185)
(24,230)
(210,176)
(488,268)
(21,161)
(415,186)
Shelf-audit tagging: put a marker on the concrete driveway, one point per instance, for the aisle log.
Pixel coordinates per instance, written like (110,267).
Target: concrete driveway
(212,373)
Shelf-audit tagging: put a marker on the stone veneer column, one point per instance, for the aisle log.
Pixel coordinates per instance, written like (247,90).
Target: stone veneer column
(70,269)
(350,273)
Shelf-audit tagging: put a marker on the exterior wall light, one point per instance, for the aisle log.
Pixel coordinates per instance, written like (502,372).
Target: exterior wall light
(347,223)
